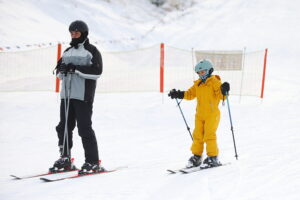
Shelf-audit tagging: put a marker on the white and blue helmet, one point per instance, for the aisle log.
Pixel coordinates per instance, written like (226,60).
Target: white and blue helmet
(204,65)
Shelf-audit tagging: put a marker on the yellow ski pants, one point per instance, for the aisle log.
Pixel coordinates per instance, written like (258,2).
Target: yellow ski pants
(205,132)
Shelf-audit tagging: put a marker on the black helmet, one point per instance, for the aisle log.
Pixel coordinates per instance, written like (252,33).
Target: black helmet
(80,26)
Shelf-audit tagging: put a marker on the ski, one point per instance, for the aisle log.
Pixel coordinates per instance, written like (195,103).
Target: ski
(38,175)
(195,169)
(190,170)
(81,175)
(75,176)
(174,171)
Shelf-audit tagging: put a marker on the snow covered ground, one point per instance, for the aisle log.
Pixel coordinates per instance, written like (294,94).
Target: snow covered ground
(144,131)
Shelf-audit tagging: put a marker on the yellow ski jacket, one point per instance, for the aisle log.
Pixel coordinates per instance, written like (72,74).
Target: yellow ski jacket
(208,95)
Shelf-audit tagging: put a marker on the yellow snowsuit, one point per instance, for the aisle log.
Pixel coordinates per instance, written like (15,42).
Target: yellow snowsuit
(207,114)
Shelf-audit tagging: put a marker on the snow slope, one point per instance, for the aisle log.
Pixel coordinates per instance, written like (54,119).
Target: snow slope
(128,24)
(144,131)
(149,136)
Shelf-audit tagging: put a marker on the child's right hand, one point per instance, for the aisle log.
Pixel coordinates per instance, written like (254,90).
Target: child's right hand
(176,94)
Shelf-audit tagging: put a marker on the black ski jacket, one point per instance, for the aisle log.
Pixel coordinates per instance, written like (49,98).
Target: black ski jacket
(81,84)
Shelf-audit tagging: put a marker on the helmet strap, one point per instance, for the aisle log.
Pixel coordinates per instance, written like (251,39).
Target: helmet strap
(204,77)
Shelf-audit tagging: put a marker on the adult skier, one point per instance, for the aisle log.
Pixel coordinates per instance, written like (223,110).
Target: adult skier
(79,68)
(208,90)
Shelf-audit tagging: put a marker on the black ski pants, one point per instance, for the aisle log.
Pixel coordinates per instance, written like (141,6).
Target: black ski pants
(80,112)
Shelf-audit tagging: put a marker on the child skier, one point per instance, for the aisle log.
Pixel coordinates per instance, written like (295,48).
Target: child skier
(209,91)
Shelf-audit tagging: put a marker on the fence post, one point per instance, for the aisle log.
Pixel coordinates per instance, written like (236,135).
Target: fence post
(57,82)
(162,61)
(264,74)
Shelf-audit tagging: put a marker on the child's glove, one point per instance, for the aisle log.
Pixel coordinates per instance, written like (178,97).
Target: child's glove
(176,94)
(225,87)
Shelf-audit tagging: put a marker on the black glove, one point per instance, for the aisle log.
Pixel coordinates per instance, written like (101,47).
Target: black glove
(225,87)
(62,68)
(71,68)
(176,94)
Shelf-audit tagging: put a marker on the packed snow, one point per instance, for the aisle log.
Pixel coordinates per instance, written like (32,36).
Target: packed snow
(144,133)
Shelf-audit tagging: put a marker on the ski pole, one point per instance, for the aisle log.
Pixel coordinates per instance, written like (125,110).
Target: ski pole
(236,156)
(67,105)
(188,128)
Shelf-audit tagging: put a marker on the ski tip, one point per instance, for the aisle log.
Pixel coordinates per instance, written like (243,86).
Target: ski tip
(184,172)
(45,179)
(15,177)
(171,171)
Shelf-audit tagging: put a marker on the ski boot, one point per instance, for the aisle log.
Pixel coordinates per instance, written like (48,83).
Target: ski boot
(194,161)
(89,168)
(211,161)
(63,164)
